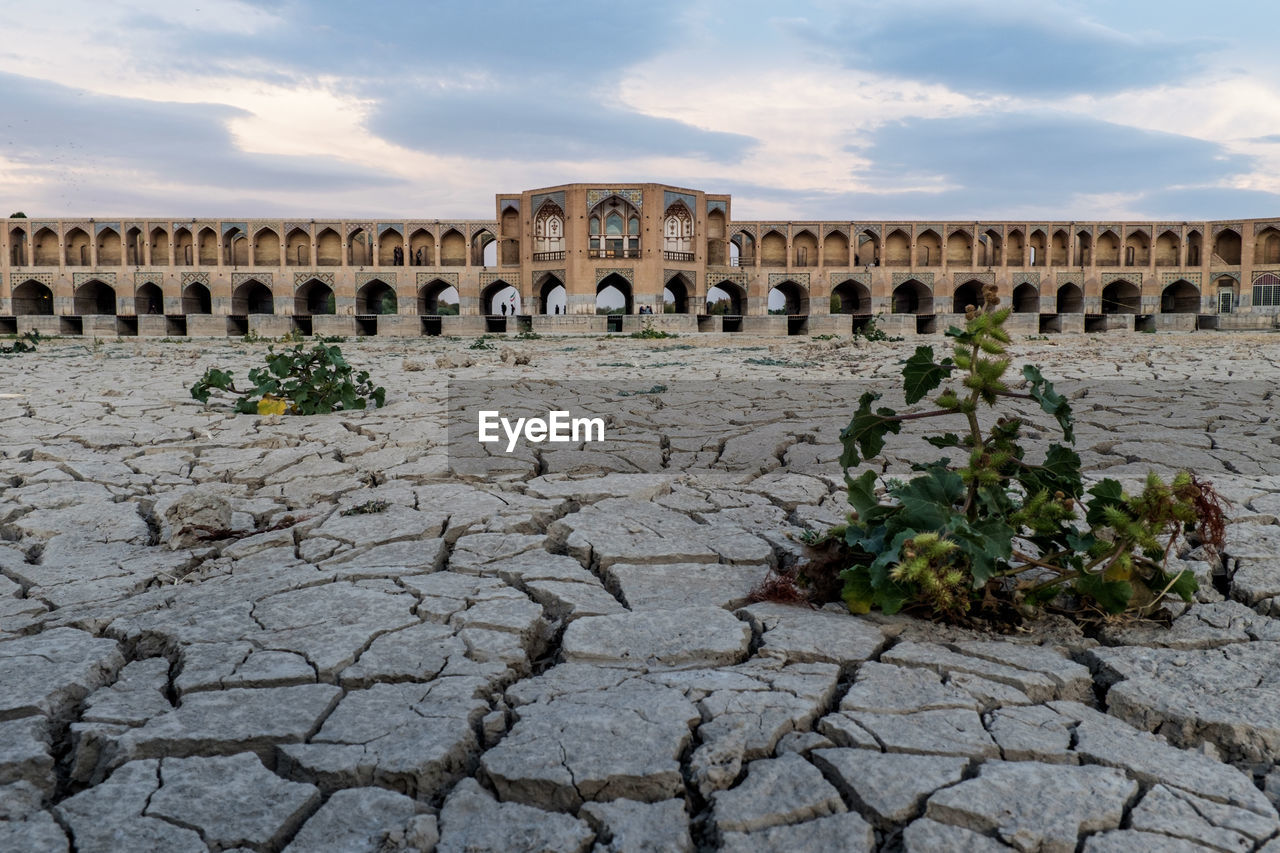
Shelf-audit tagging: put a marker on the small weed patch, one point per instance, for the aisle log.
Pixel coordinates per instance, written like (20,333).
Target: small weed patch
(296,382)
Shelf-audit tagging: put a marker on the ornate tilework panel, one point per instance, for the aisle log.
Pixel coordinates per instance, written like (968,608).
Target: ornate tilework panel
(195,278)
(859,277)
(1190,277)
(743,229)
(513,203)
(512,278)
(981,277)
(800,278)
(238,278)
(477,227)
(290,226)
(967,229)
(898,278)
(870,229)
(425,278)
(717,205)
(98,228)
(667,275)
(45,278)
(634,196)
(921,228)
(460,227)
(353,227)
(1133,277)
(556,198)
(1259,227)
(36,226)
(738,278)
(1019,277)
(1225,274)
(543,275)
(363,278)
(1224,226)
(831,229)
(1138,229)
(781,227)
(604,272)
(384,227)
(1075,278)
(79,278)
(231,226)
(141,278)
(669,198)
(300,278)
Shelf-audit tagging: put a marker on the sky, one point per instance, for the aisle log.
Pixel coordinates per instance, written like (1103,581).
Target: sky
(856,110)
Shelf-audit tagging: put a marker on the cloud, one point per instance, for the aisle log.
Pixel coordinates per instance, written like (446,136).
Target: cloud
(1012,160)
(1040,49)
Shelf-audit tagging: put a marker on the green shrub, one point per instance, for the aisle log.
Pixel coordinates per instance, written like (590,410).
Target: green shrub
(26,343)
(650,333)
(996,531)
(297,382)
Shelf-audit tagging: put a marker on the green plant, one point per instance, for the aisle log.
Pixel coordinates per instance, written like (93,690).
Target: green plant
(298,382)
(481,342)
(26,343)
(996,530)
(528,336)
(650,333)
(366,508)
(871,331)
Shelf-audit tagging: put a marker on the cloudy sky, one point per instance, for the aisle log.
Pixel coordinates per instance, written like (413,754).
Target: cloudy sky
(1064,109)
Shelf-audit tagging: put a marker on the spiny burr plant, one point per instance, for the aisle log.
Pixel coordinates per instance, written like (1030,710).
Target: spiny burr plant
(995,527)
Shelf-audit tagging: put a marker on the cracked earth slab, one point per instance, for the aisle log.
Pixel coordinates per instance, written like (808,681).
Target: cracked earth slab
(206,643)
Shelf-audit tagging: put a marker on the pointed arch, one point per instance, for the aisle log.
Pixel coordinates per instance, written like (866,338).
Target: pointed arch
(552,296)
(1084,249)
(1137,250)
(453,249)
(422,248)
(77,248)
(328,248)
(1168,249)
(621,287)
(726,298)
(109,243)
(613,227)
(266,248)
(159,239)
(929,249)
(297,252)
(1108,253)
(1015,252)
(31,298)
(960,249)
(966,295)
(676,295)
(45,246)
(791,297)
(252,297)
(897,249)
(912,297)
(183,247)
(1060,249)
(95,297)
(992,248)
(1180,297)
(376,297)
(835,250)
(677,233)
(1070,299)
(196,299)
(18,251)
(484,249)
(744,246)
(359,248)
(1226,245)
(208,249)
(236,244)
(388,241)
(548,232)
(1026,299)
(804,249)
(1039,246)
(773,249)
(1195,245)
(853,298)
(134,252)
(1121,297)
(148,299)
(1266,247)
(313,297)
(433,298)
(510,228)
(716,244)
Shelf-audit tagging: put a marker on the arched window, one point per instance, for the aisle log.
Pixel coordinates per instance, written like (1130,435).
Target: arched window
(620,235)
(677,233)
(548,232)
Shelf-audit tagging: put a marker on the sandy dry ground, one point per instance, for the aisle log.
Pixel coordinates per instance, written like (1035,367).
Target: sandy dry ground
(554,649)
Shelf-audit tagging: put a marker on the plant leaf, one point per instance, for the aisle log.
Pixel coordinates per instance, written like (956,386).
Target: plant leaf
(920,374)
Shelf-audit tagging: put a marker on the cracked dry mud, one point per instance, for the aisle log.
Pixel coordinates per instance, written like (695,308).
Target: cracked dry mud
(557,651)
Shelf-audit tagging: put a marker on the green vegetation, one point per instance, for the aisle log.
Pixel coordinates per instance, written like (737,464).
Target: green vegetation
(650,333)
(366,508)
(296,382)
(26,343)
(995,535)
(481,342)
